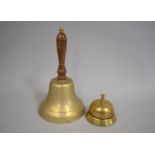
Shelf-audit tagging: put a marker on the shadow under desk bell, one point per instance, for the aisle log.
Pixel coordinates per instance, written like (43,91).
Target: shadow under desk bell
(61,104)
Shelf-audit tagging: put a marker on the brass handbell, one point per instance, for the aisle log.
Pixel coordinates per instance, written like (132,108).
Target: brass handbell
(61,104)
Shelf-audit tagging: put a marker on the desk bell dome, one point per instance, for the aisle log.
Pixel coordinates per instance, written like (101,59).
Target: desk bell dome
(101,112)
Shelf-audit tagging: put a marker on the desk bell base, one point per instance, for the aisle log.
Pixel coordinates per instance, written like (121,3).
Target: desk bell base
(100,122)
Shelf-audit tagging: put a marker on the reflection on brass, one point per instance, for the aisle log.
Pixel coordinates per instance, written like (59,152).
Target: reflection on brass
(61,104)
(101,112)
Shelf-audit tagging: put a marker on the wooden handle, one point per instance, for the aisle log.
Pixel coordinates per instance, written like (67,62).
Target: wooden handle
(61,48)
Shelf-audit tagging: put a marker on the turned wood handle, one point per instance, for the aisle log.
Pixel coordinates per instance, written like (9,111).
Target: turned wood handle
(61,49)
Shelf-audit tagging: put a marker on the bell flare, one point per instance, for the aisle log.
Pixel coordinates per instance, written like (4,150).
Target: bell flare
(61,104)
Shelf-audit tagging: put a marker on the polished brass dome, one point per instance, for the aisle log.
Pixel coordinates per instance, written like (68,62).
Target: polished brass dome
(101,112)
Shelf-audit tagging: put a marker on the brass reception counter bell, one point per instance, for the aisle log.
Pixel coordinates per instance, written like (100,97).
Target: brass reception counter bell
(101,112)
(62,104)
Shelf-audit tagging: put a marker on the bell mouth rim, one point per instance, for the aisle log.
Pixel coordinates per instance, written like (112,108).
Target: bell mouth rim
(100,122)
(60,119)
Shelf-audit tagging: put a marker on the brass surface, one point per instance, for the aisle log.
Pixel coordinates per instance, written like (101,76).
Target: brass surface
(101,112)
(61,29)
(61,104)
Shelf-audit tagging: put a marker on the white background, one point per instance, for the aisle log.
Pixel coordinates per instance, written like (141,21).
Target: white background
(114,58)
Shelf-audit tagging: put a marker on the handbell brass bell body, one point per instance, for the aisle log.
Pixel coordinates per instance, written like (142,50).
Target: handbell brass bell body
(61,104)
(101,112)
